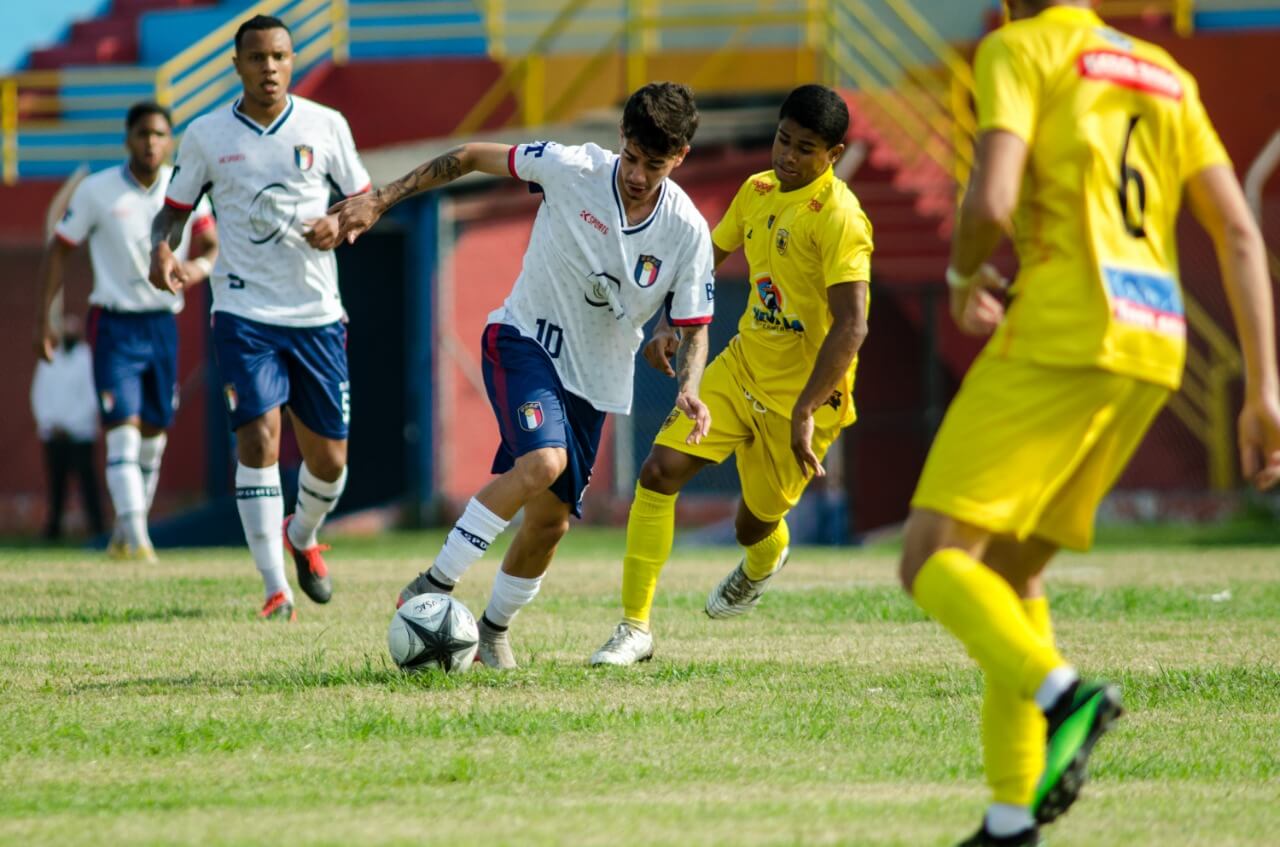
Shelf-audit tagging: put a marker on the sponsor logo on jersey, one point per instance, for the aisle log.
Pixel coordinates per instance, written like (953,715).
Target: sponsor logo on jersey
(769,314)
(599,225)
(229,394)
(599,296)
(222,160)
(762,186)
(304,156)
(1148,300)
(530,416)
(815,205)
(781,240)
(1129,72)
(647,270)
(271,213)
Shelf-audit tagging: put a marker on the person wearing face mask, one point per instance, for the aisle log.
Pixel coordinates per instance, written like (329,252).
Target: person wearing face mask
(66,413)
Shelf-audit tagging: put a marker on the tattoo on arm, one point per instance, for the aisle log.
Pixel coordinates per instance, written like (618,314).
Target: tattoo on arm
(692,356)
(441,170)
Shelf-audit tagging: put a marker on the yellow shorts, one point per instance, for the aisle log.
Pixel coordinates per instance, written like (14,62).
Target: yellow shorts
(1028,450)
(769,474)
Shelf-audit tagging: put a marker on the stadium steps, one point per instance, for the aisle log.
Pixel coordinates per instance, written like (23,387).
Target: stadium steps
(108,39)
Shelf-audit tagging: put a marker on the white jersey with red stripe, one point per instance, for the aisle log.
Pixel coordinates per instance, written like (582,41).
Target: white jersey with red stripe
(114,212)
(590,281)
(267,183)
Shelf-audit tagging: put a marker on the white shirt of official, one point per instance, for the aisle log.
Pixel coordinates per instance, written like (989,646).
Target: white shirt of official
(63,396)
(590,281)
(114,211)
(264,183)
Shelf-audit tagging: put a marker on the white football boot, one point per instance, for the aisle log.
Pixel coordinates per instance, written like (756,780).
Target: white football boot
(737,593)
(626,646)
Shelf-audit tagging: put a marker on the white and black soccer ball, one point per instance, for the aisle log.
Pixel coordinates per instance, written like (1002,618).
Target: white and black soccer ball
(433,631)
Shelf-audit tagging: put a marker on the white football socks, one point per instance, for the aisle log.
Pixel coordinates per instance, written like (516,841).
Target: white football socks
(510,595)
(261,508)
(316,499)
(149,455)
(467,541)
(124,481)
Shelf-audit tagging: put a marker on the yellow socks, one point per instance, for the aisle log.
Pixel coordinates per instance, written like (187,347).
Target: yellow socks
(762,557)
(978,607)
(651,528)
(1013,728)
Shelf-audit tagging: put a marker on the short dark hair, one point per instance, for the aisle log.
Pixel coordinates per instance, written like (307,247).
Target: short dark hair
(819,110)
(260,22)
(660,118)
(138,111)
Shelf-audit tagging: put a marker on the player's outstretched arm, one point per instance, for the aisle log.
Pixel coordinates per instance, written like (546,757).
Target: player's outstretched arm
(167,273)
(692,358)
(50,284)
(357,214)
(1219,203)
(847,302)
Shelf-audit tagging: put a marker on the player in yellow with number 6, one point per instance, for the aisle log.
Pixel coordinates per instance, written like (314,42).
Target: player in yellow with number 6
(1087,139)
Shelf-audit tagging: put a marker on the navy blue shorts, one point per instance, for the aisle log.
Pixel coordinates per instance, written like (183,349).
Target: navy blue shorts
(264,366)
(135,365)
(534,410)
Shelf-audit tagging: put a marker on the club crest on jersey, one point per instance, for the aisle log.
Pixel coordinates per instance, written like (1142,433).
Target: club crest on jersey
(647,268)
(530,416)
(233,399)
(780,241)
(304,156)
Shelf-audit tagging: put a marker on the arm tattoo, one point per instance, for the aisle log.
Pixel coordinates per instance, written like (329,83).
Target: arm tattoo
(692,357)
(167,226)
(441,170)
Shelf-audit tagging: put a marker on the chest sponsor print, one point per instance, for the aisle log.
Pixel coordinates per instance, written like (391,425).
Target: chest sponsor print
(1145,299)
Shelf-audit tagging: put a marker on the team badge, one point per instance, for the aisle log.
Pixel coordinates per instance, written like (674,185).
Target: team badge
(108,401)
(671,418)
(647,268)
(781,241)
(233,400)
(303,156)
(530,415)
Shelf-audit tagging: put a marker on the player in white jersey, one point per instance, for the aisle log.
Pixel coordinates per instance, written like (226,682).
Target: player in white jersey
(269,162)
(613,241)
(132,328)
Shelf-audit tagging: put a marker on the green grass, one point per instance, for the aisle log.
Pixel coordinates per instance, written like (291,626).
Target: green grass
(145,705)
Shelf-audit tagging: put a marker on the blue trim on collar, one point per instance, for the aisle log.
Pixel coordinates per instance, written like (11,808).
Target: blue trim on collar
(622,212)
(253,125)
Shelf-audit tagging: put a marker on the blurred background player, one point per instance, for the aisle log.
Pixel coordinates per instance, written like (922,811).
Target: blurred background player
(132,328)
(782,390)
(614,240)
(1087,139)
(65,407)
(268,162)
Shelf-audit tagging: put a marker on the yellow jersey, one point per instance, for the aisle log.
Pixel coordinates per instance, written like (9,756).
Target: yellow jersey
(1113,127)
(798,243)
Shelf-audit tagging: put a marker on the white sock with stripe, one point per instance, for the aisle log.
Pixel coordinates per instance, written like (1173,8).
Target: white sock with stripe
(467,542)
(261,508)
(316,499)
(124,481)
(149,455)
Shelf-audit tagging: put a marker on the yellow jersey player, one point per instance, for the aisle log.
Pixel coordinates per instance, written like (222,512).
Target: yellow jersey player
(781,391)
(1087,139)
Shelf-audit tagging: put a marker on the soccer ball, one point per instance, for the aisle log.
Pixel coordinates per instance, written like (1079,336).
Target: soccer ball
(433,631)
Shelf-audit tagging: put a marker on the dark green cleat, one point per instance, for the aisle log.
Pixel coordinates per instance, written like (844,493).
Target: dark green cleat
(1076,722)
(982,838)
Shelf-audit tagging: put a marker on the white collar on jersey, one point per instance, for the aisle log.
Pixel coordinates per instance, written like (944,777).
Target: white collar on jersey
(254,125)
(132,180)
(622,211)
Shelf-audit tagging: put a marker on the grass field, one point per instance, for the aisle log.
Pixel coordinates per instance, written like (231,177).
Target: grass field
(143,704)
